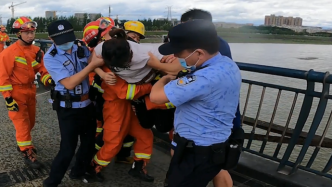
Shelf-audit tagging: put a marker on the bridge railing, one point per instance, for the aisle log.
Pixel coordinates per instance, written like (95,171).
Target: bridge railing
(290,136)
(293,136)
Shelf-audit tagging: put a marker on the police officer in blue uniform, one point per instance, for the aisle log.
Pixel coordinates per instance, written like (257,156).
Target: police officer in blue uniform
(206,101)
(67,62)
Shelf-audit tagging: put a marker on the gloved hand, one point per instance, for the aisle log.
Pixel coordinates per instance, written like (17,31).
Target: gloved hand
(11,104)
(51,82)
(139,101)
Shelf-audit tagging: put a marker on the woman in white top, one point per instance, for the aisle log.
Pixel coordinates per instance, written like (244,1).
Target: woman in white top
(131,61)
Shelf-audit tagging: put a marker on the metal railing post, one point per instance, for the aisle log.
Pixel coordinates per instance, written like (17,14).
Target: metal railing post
(303,116)
(315,123)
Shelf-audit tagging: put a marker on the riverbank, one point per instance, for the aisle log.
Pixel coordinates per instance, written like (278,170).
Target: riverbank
(155,37)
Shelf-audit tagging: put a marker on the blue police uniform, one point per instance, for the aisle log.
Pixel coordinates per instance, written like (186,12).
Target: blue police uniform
(64,65)
(74,109)
(206,101)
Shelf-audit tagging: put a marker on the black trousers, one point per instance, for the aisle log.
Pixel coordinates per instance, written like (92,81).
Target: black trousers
(194,170)
(74,123)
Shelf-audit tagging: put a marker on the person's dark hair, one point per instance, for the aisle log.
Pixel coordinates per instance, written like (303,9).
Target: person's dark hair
(116,52)
(118,33)
(211,47)
(196,14)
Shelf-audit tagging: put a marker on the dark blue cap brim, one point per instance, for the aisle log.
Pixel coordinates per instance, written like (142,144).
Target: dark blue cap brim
(168,49)
(64,38)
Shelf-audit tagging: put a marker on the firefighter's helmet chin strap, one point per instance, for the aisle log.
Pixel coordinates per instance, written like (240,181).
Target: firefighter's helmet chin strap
(20,37)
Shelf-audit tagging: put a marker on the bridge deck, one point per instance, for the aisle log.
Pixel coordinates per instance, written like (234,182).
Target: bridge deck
(46,138)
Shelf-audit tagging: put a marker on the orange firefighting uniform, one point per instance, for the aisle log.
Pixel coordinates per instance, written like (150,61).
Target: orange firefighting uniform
(17,74)
(120,120)
(3,38)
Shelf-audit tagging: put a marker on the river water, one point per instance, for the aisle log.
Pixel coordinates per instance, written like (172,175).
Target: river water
(296,56)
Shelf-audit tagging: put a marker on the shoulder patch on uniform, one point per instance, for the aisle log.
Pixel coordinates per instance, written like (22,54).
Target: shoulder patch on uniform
(186,80)
(66,63)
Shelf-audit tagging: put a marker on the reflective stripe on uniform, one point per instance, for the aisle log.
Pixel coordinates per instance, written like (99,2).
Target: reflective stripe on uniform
(21,60)
(25,143)
(97,86)
(131,91)
(128,144)
(100,162)
(45,78)
(169,105)
(142,155)
(6,88)
(99,129)
(34,63)
(97,147)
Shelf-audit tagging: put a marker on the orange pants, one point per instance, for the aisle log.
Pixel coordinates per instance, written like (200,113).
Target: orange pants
(24,118)
(2,47)
(120,120)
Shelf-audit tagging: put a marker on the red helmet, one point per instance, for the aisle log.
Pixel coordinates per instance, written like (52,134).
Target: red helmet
(24,24)
(95,30)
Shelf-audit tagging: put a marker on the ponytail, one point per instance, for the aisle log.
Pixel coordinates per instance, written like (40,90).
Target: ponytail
(118,34)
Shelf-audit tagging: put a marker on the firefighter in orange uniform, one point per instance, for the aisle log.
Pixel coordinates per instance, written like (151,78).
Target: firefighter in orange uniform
(18,65)
(94,33)
(3,37)
(116,127)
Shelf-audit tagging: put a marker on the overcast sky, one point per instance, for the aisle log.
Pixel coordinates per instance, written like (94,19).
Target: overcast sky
(314,13)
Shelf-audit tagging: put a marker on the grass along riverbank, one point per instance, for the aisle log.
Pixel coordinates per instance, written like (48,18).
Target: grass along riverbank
(155,37)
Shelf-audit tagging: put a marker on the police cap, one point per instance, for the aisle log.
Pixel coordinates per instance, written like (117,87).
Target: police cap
(193,34)
(61,32)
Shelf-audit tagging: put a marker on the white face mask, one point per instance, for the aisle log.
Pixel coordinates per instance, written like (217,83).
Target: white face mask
(184,63)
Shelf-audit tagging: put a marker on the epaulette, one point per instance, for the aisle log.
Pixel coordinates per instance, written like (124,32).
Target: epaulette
(53,52)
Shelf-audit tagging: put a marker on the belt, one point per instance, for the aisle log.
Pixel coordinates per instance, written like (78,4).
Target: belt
(74,98)
(202,150)
(148,78)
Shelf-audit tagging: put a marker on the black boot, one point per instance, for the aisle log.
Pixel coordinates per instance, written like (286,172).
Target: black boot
(93,174)
(30,158)
(138,170)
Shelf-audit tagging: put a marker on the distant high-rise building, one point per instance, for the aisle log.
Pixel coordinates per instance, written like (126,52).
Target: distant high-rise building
(50,14)
(79,15)
(273,20)
(93,16)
